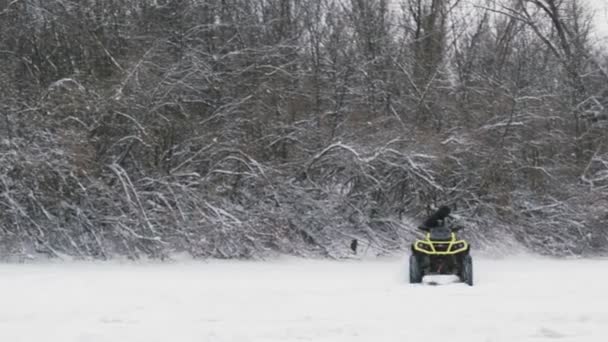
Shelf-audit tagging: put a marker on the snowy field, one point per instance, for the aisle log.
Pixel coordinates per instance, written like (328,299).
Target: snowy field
(514,300)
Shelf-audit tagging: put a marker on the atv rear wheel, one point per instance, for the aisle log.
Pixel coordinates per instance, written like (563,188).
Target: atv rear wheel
(467,270)
(415,270)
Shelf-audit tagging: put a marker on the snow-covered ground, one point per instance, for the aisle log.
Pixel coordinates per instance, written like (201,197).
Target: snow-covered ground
(515,299)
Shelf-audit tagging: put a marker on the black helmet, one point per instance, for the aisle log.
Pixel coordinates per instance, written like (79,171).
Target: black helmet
(443,212)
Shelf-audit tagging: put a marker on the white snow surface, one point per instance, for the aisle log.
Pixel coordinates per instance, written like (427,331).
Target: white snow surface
(514,299)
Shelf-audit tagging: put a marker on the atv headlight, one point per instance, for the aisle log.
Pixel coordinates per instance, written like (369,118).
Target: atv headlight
(457,246)
(424,246)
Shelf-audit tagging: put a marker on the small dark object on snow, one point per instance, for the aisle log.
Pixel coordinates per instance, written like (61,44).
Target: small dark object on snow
(353,245)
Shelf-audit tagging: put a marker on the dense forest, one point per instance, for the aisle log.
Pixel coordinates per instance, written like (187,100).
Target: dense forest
(243,128)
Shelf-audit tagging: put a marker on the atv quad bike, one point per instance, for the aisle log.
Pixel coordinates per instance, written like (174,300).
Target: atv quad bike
(440,252)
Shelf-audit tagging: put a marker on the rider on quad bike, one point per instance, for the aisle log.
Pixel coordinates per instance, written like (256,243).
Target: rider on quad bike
(440,252)
(437,219)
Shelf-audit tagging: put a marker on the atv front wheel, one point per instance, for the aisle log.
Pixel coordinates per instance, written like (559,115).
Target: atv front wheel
(415,270)
(467,270)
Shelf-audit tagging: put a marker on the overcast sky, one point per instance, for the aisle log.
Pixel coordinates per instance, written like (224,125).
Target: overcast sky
(601,17)
(598,7)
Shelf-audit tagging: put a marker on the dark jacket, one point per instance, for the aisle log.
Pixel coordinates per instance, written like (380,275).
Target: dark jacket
(437,219)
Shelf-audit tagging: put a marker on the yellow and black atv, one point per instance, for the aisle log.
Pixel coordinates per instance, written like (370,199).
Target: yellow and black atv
(441,252)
